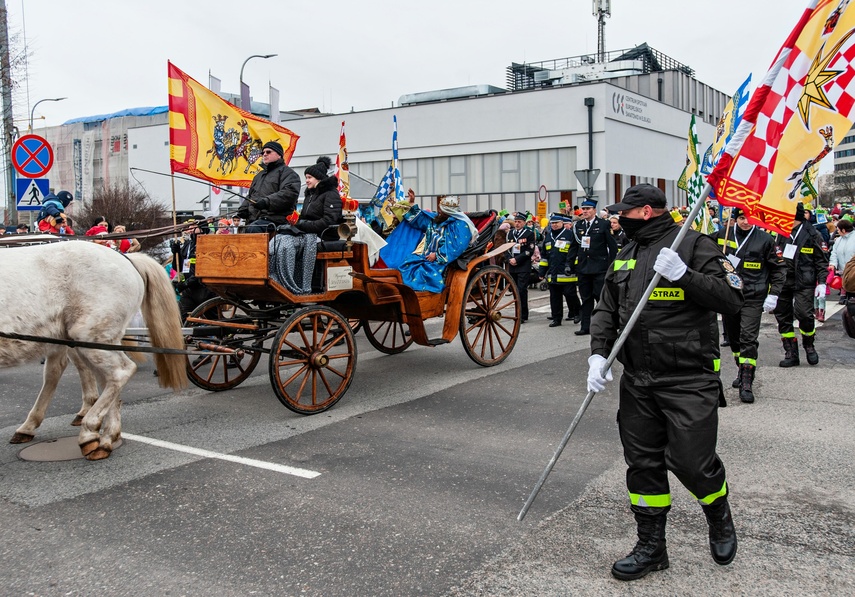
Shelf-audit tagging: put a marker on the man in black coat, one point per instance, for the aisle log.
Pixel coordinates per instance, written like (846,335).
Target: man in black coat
(519,259)
(671,388)
(806,265)
(273,193)
(592,249)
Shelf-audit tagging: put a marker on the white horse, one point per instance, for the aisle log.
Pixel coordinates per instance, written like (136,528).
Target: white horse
(85,292)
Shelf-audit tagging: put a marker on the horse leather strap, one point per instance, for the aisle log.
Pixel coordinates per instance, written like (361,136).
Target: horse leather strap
(121,348)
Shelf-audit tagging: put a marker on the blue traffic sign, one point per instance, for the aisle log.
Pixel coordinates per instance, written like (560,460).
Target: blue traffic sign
(32,156)
(31,193)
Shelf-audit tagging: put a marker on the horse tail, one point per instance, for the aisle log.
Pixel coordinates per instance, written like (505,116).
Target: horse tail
(163,319)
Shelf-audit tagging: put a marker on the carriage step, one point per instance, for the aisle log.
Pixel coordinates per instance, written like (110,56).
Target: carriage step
(437,342)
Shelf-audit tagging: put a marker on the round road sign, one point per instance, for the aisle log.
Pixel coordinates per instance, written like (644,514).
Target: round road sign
(32,156)
(542,193)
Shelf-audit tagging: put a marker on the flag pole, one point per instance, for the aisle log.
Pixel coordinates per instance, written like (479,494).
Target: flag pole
(615,350)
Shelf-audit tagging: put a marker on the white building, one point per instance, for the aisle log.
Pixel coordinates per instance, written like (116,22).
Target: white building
(494,148)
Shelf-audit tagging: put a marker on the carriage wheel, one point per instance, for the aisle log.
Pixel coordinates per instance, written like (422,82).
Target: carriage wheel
(312,360)
(218,372)
(355,325)
(390,337)
(490,321)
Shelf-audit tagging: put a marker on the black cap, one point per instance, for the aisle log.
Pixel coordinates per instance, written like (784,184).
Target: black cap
(319,169)
(800,213)
(735,213)
(640,195)
(275,147)
(589,202)
(520,216)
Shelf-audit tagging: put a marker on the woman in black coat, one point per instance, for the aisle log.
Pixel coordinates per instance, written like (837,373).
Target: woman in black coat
(322,204)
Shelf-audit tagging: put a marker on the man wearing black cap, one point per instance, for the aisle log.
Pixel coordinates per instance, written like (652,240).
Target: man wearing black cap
(670,389)
(751,252)
(273,193)
(806,265)
(519,259)
(592,249)
(553,266)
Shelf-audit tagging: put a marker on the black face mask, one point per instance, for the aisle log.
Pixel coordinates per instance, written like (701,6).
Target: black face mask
(631,226)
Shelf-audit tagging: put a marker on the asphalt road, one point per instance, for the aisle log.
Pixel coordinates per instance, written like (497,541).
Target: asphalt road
(423,465)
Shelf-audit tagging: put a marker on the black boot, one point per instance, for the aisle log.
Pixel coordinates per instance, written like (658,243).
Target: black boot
(791,353)
(725,341)
(649,554)
(810,351)
(735,382)
(746,378)
(722,532)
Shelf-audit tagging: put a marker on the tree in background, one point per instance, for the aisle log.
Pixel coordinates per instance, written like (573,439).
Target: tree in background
(121,204)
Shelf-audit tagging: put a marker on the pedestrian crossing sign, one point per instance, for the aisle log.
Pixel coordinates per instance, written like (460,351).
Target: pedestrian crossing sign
(31,193)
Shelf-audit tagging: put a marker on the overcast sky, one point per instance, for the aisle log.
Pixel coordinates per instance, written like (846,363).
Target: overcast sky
(107,55)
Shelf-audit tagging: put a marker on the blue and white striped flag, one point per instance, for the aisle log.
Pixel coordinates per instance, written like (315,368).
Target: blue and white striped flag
(389,191)
(730,118)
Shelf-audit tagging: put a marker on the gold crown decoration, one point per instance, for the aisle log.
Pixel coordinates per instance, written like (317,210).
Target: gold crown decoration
(450,201)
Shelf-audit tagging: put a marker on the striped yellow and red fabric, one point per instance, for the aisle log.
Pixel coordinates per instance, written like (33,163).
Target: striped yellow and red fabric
(211,139)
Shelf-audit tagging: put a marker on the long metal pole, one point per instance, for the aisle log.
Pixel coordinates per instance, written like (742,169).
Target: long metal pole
(8,124)
(615,350)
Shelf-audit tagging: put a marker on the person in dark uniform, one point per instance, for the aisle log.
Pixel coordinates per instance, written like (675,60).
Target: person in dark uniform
(592,249)
(617,232)
(807,268)
(670,389)
(519,259)
(752,253)
(191,291)
(554,268)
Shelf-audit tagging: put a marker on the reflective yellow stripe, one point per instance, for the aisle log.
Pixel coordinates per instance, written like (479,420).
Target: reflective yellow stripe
(730,243)
(543,263)
(548,246)
(752,265)
(567,279)
(564,249)
(707,500)
(735,355)
(716,364)
(650,501)
(621,264)
(667,294)
(744,361)
(193,260)
(807,250)
(804,333)
(788,335)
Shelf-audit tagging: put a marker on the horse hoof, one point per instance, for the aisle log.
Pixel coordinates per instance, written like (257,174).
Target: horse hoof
(89,447)
(77,421)
(21,438)
(99,454)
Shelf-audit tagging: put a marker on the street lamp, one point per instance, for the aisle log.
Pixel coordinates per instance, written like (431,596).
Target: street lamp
(33,111)
(245,97)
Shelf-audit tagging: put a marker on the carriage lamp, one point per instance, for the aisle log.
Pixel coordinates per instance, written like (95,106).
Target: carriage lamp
(347,230)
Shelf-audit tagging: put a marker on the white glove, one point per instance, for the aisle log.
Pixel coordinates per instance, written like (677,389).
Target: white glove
(820,291)
(596,382)
(669,264)
(770,303)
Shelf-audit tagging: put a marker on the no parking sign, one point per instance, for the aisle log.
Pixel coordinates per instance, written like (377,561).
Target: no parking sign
(32,156)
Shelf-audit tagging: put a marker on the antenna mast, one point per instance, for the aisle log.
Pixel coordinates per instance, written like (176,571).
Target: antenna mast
(602,9)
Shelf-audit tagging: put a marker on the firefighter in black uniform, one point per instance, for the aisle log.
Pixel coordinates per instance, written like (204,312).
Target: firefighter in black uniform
(592,249)
(192,292)
(519,259)
(806,267)
(752,252)
(554,267)
(671,388)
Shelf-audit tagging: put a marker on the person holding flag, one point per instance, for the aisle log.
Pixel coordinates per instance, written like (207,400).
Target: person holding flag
(555,268)
(671,387)
(752,253)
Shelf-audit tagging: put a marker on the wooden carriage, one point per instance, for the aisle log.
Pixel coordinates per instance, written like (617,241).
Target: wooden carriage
(310,337)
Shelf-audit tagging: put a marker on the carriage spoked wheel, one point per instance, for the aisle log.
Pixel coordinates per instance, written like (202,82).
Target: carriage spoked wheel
(218,372)
(390,337)
(355,325)
(312,360)
(490,320)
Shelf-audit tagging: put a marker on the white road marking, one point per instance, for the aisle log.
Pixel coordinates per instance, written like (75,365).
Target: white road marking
(279,468)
